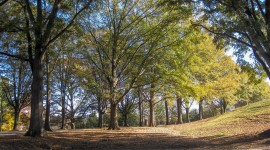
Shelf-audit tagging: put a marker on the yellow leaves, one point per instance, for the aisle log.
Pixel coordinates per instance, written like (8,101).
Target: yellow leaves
(8,122)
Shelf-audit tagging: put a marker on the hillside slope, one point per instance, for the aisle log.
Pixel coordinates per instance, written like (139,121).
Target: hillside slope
(247,120)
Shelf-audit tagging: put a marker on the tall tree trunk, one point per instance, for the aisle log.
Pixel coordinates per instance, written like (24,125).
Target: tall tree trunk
(167,112)
(36,99)
(63,102)
(16,118)
(140,112)
(125,120)
(47,126)
(200,109)
(179,110)
(63,119)
(151,109)
(151,106)
(100,119)
(1,114)
(187,114)
(113,117)
(100,113)
(72,113)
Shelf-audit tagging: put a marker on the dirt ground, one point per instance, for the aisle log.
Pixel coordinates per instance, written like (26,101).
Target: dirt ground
(128,138)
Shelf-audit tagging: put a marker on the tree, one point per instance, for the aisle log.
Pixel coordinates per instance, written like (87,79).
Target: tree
(16,87)
(126,107)
(252,87)
(226,81)
(119,45)
(41,24)
(243,24)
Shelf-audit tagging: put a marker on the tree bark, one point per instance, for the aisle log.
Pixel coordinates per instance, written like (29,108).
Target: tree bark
(167,112)
(100,119)
(187,114)
(151,117)
(100,113)
(1,114)
(63,119)
(72,112)
(63,95)
(224,106)
(179,111)
(151,106)
(47,126)
(125,120)
(140,113)
(36,99)
(113,117)
(200,109)
(72,123)
(16,118)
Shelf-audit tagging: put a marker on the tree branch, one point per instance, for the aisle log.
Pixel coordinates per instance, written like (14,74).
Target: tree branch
(14,56)
(225,35)
(29,10)
(69,25)
(2,3)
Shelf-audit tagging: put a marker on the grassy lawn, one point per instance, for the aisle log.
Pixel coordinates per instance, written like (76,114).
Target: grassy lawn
(250,119)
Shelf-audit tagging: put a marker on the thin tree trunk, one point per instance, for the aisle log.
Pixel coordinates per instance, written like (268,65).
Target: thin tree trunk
(47,126)
(1,115)
(125,120)
(200,109)
(113,117)
(63,93)
(35,128)
(179,111)
(167,112)
(16,119)
(63,120)
(100,113)
(187,114)
(224,106)
(151,109)
(140,113)
(72,113)
(151,106)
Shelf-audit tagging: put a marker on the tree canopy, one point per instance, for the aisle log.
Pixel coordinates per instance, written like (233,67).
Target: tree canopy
(98,63)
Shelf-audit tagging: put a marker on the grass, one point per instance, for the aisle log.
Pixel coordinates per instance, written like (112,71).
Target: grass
(250,119)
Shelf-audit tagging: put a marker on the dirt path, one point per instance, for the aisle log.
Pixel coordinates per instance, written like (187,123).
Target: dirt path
(129,138)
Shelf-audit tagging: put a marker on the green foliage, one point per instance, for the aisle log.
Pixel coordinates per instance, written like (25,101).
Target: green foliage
(253,87)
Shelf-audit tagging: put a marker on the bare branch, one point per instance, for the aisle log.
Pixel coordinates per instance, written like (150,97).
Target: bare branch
(14,56)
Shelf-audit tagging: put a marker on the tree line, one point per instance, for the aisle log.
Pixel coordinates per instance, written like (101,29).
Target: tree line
(71,59)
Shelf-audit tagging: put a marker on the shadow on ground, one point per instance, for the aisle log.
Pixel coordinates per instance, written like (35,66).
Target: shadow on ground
(104,139)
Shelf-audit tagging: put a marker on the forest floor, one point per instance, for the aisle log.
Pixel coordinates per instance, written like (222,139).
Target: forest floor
(239,129)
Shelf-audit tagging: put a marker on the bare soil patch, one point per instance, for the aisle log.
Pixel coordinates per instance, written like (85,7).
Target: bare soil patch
(130,138)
